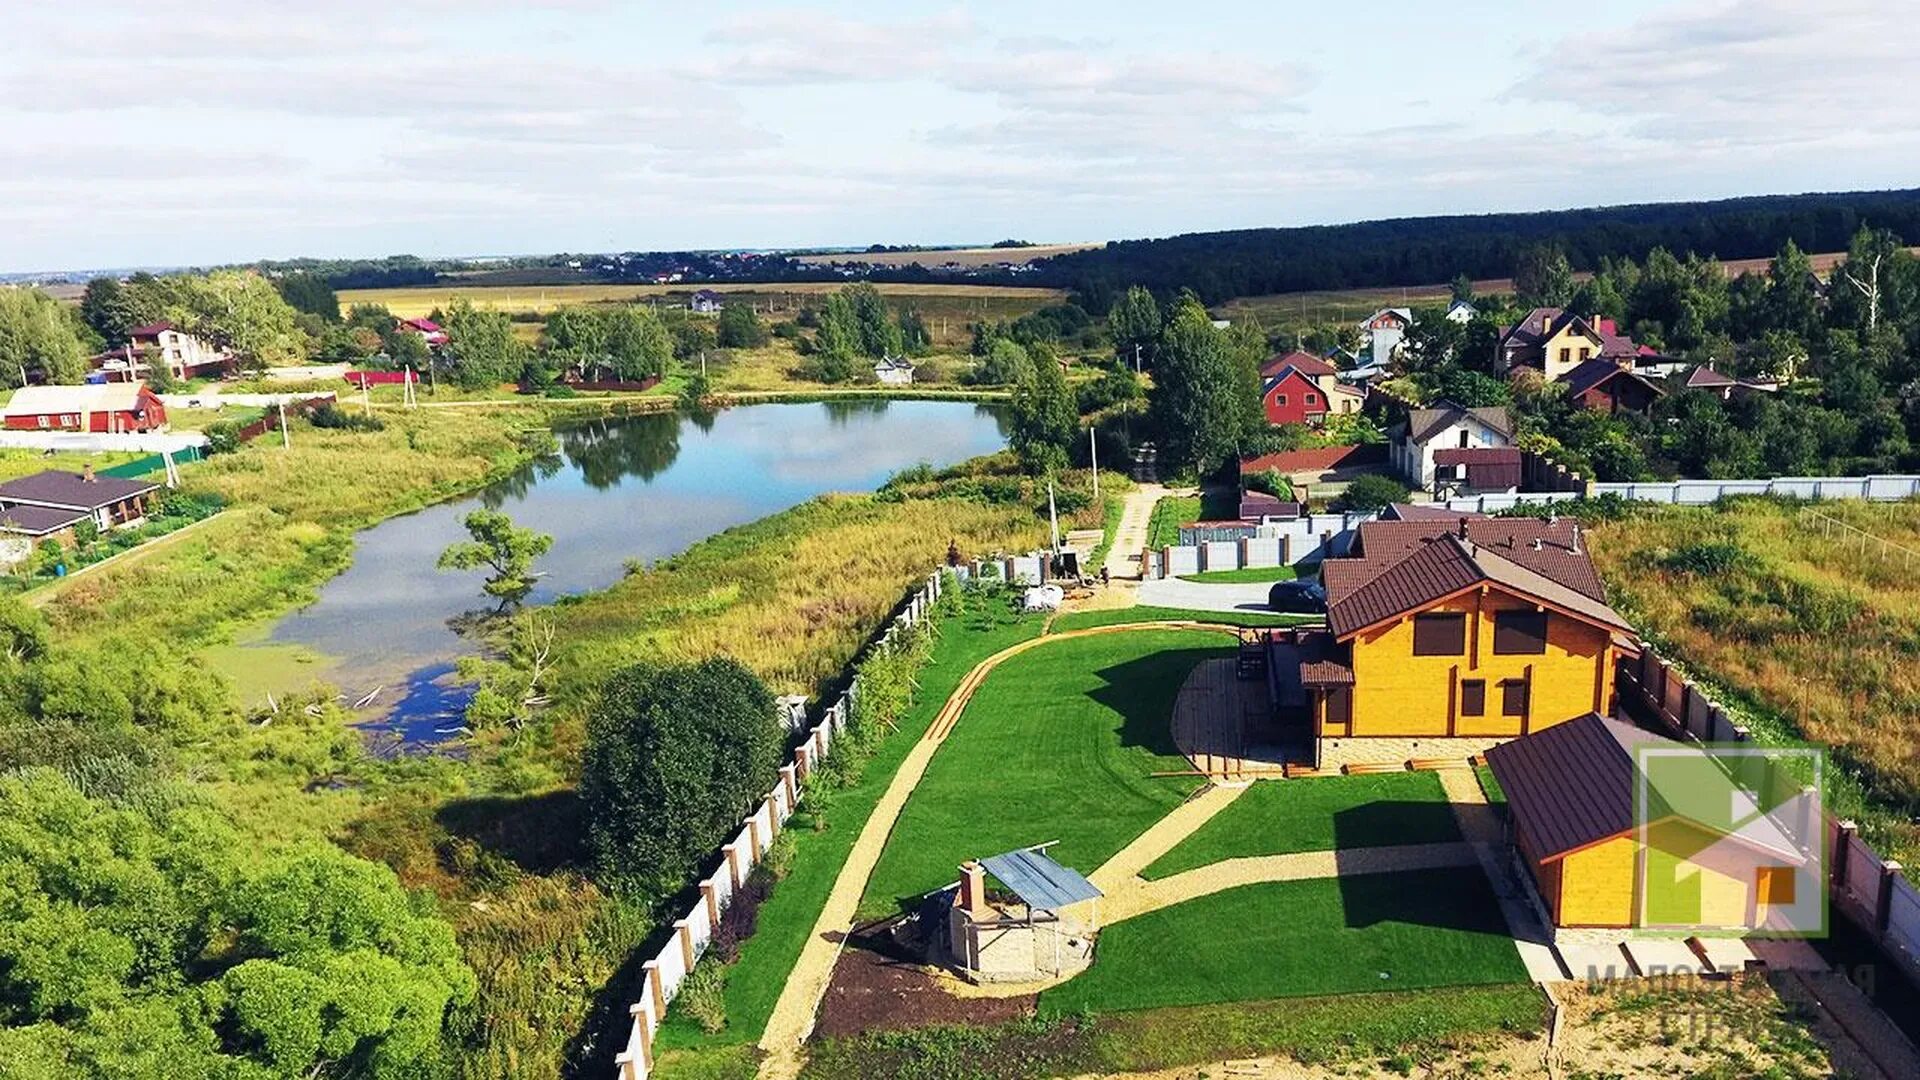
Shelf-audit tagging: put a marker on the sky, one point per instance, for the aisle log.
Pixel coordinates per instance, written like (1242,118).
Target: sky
(177,132)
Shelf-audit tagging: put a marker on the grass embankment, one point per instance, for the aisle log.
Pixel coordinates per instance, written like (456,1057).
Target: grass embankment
(968,630)
(1056,745)
(1245,575)
(17,463)
(1163,527)
(1080,620)
(1318,814)
(1802,632)
(1406,1027)
(1407,930)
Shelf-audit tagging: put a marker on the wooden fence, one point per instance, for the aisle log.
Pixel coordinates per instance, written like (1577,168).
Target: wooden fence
(1872,892)
(693,931)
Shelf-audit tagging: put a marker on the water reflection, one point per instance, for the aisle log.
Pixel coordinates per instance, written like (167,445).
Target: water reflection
(641,487)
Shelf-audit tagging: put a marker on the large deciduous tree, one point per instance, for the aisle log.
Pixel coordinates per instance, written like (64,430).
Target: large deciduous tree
(1045,420)
(1195,402)
(497,544)
(481,347)
(37,334)
(1134,322)
(676,756)
(1543,277)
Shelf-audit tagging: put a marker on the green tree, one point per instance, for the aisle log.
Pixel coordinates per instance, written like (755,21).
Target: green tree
(1006,362)
(676,756)
(110,308)
(1461,288)
(1045,421)
(1793,297)
(1543,277)
(1372,492)
(1194,404)
(239,310)
(481,347)
(1135,324)
(312,294)
(638,343)
(502,547)
(739,327)
(879,335)
(38,335)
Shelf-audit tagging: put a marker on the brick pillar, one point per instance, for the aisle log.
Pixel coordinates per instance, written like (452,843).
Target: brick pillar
(1883,901)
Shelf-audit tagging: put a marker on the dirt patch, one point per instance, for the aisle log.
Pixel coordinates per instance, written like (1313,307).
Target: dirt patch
(874,990)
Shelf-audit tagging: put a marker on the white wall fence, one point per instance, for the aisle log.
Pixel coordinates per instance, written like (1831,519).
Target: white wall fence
(1285,543)
(693,931)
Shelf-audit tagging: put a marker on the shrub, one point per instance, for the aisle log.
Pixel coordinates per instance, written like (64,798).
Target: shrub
(703,996)
(1271,482)
(223,437)
(1372,492)
(335,418)
(676,755)
(1707,557)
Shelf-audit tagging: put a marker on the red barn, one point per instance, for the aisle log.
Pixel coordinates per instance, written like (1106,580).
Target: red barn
(1301,389)
(96,407)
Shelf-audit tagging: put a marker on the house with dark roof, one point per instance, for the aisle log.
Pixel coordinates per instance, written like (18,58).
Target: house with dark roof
(1722,385)
(1449,634)
(1445,426)
(56,500)
(1610,842)
(1604,386)
(705,302)
(1300,388)
(1554,341)
(1383,332)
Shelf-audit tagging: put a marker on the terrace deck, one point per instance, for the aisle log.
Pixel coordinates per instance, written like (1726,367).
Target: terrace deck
(1224,724)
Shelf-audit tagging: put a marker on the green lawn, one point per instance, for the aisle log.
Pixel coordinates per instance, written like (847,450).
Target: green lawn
(1057,744)
(1242,576)
(1276,817)
(1490,785)
(1163,528)
(1403,931)
(786,918)
(1144,613)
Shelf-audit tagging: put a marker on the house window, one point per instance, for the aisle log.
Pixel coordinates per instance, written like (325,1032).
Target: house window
(1585,353)
(1566,354)
(1513,697)
(43,420)
(1463,438)
(1473,697)
(1440,634)
(1313,399)
(1517,633)
(1773,885)
(1279,399)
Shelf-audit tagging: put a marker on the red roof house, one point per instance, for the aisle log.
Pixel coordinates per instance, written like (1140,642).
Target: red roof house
(427,329)
(1302,389)
(96,407)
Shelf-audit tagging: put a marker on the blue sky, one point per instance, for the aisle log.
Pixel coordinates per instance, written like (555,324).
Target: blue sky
(183,131)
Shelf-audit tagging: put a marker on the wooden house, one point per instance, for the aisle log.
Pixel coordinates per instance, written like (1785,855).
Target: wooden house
(111,408)
(1300,388)
(1448,635)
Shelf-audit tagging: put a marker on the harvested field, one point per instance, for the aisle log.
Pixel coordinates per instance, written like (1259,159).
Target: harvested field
(980,256)
(415,301)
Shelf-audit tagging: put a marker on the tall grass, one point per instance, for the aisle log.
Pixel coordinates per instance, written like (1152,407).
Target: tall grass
(1815,634)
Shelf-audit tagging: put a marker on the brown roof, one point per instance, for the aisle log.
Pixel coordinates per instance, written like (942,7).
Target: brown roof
(1324,661)
(1304,362)
(1423,423)
(1441,566)
(38,520)
(1477,455)
(1596,372)
(1558,556)
(1705,376)
(57,488)
(1572,784)
(1255,504)
(1317,459)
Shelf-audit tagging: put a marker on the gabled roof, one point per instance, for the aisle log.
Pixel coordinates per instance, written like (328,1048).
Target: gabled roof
(1304,362)
(1573,784)
(1405,314)
(1423,424)
(151,329)
(38,520)
(86,397)
(1362,597)
(58,488)
(1704,377)
(1542,323)
(1597,372)
(427,326)
(1551,548)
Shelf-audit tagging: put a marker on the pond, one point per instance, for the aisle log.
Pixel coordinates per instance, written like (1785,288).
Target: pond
(619,490)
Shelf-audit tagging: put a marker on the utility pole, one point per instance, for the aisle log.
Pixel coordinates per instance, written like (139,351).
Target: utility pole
(1053,517)
(1093,456)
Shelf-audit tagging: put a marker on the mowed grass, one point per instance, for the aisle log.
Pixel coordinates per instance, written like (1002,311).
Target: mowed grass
(1147,613)
(1399,931)
(1056,745)
(1279,817)
(1808,629)
(1245,575)
(968,634)
(1163,528)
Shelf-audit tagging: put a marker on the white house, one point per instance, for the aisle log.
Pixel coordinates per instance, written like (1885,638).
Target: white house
(162,344)
(705,302)
(1461,312)
(894,370)
(1446,426)
(1384,330)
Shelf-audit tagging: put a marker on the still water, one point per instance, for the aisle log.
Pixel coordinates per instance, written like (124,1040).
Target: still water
(640,487)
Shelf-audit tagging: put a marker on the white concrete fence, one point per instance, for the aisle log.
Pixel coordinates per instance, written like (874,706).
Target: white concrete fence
(1285,543)
(693,932)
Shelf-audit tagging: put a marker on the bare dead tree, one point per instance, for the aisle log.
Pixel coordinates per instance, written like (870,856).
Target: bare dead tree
(1869,288)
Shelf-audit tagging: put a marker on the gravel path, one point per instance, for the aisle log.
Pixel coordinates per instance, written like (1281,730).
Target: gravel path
(1487,836)
(1137,897)
(1130,536)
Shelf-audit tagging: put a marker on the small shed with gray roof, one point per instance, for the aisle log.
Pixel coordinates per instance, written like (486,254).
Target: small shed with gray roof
(1039,926)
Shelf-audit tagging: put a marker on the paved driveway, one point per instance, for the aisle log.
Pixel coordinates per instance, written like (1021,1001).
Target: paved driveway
(1172,592)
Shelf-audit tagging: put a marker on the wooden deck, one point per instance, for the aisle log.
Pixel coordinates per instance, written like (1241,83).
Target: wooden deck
(1224,724)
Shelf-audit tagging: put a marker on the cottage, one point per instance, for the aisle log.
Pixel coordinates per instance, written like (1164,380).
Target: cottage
(893,371)
(1300,388)
(427,330)
(1445,426)
(95,407)
(184,355)
(1723,386)
(1383,331)
(1460,312)
(1554,341)
(1448,635)
(1476,470)
(1604,386)
(35,502)
(1594,861)
(705,302)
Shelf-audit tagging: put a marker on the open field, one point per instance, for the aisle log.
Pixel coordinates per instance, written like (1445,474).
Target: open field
(931,299)
(982,256)
(1279,817)
(1804,625)
(18,463)
(1056,745)
(1409,930)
